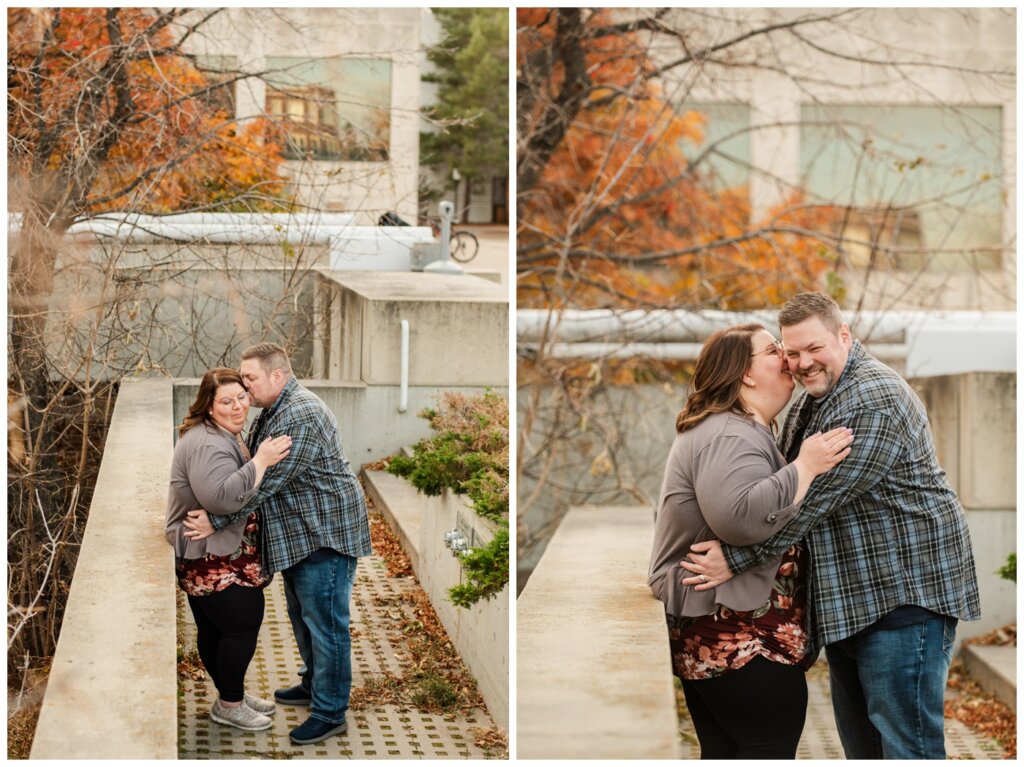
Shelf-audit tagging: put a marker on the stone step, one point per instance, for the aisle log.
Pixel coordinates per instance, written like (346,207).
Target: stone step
(994,668)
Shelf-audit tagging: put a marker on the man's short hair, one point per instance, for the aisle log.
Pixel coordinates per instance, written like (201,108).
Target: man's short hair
(270,356)
(805,306)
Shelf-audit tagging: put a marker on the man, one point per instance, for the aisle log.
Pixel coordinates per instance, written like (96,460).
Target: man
(891,568)
(313,526)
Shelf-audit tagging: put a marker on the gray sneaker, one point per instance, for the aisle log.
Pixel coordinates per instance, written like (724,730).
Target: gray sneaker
(242,717)
(259,705)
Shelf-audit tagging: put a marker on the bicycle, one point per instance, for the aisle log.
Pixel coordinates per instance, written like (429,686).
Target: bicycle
(463,245)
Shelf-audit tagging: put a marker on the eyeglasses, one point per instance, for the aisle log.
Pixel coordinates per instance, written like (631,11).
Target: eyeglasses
(775,348)
(241,399)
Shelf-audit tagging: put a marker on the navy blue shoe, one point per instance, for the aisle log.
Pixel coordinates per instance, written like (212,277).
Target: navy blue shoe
(314,730)
(293,696)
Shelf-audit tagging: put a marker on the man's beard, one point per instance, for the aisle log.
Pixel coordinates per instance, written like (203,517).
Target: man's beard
(820,386)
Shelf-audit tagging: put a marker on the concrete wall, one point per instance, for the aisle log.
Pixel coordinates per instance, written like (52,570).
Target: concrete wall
(480,633)
(458,328)
(112,690)
(973,418)
(177,308)
(593,671)
(368,419)
(181,308)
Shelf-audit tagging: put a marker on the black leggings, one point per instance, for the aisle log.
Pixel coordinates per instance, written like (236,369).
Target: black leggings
(755,712)
(228,624)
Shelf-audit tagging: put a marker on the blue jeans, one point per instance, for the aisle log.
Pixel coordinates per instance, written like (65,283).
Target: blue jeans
(317,593)
(887,690)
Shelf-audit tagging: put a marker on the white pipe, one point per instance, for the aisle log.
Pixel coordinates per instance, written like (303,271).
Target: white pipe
(403,395)
(260,228)
(667,351)
(665,325)
(927,343)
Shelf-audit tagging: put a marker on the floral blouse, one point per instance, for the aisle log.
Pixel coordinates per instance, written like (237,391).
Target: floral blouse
(212,573)
(711,645)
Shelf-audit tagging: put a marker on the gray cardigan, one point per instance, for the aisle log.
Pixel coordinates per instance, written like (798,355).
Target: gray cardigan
(726,479)
(208,472)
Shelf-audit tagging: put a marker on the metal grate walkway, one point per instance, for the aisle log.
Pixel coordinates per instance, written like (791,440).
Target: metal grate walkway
(375,731)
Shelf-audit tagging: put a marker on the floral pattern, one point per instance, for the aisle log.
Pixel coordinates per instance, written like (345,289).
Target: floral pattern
(711,645)
(212,573)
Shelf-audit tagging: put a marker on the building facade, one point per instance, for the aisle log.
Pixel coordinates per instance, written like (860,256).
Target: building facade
(904,119)
(343,87)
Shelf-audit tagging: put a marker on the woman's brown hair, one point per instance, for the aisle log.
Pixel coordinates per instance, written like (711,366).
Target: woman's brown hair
(199,411)
(718,376)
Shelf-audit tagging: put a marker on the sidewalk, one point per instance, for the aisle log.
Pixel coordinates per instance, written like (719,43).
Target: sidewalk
(821,739)
(376,731)
(493,255)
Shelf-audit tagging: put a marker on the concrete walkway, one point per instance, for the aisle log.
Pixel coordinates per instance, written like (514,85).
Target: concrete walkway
(375,731)
(821,739)
(493,255)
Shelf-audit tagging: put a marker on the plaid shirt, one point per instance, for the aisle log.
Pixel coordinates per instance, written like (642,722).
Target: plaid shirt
(311,499)
(883,528)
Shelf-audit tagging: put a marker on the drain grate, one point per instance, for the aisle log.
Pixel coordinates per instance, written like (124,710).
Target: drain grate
(375,732)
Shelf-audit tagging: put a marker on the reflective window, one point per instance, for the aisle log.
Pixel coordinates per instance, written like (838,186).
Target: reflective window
(920,186)
(331,108)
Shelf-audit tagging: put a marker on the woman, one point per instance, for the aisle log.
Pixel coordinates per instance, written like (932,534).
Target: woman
(740,648)
(221,573)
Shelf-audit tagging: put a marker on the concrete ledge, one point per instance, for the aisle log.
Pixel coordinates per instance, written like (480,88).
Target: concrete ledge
(994,668)
(112,691)
(594,674)
(402,507)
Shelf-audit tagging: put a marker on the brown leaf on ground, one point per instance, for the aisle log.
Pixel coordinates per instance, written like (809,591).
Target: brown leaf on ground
(433,677)
(980,711)
(494,741)
(380,465)
(378,690)
(1004,635)
(21,728)
(387,547)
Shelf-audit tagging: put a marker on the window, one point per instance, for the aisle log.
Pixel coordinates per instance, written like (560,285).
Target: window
(332,108)
(726,130)
(916,187)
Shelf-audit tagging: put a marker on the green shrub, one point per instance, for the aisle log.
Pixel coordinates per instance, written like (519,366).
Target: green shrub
(1009,570)
(486,571)
(468,454)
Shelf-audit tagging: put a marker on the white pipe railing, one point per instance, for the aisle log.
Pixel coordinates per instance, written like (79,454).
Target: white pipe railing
(403,383)
(930,343)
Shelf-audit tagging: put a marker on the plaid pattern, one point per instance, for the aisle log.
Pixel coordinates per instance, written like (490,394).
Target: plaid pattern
(311,499)
(883,528)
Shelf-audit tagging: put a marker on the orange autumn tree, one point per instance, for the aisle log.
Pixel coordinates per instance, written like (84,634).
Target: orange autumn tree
(106,111)
(620,212)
